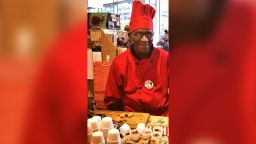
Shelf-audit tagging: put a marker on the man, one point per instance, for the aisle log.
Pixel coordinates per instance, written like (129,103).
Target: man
(164,41)
(138,79)
(213,91)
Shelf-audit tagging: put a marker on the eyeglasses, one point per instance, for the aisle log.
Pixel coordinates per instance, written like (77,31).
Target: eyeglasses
(140,34)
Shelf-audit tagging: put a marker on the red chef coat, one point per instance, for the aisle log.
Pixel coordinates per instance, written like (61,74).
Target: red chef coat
(213,95)
(126,81)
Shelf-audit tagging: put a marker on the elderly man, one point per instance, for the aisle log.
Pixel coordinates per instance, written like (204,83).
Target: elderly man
(138,79)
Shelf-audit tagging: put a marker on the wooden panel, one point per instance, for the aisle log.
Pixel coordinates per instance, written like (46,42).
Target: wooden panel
(101,70)
(107,47)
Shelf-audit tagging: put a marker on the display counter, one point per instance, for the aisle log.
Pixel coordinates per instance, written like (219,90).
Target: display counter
(157,126)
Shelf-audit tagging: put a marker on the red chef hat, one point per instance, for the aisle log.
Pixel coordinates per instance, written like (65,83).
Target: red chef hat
(142,16)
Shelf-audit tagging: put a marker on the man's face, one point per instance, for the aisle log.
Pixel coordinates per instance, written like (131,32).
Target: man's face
(142,40)
(166,36)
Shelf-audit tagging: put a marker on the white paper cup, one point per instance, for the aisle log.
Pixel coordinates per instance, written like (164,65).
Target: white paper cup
(89,129)
(97,138)
(94,124)
(89,132)
(124,129)
(105,132)
(113,135)
(89,121)
(98,118)
(141,127)
(107,123)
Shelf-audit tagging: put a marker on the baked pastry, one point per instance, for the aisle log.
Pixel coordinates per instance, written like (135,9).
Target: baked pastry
(154,141)
(135,135)
(130,115)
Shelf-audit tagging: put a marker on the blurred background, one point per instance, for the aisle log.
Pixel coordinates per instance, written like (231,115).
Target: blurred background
(212,70)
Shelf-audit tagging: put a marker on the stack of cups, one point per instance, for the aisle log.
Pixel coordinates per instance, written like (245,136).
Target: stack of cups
(113,137)
(124,129)
(89,132)
(106,125)
(97,138)
(94,124)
